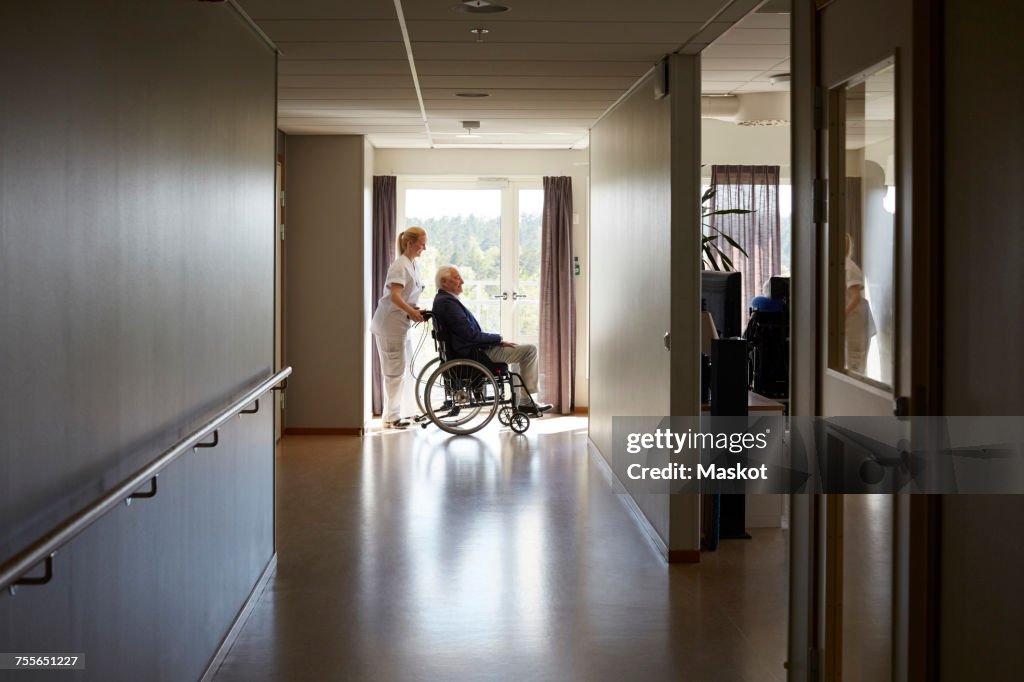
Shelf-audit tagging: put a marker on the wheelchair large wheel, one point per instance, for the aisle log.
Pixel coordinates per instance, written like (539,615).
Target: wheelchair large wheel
(439,392)
(461,397)
(421,383)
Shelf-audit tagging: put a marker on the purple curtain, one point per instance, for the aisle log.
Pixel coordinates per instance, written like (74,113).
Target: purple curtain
(385,206)
(557,347)
(755,188)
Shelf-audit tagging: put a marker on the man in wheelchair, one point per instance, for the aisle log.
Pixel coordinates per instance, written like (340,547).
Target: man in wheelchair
(466,337)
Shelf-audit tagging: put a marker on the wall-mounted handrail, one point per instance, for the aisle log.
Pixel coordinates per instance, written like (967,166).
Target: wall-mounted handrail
(43,549)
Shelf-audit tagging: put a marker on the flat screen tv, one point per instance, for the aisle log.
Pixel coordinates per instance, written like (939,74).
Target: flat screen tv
(722,292)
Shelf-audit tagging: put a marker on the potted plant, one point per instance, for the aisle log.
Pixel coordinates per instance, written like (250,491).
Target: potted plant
(713,257)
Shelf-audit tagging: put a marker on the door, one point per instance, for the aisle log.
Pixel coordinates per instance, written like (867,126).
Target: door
(279,296)
(864,158)
(490,230)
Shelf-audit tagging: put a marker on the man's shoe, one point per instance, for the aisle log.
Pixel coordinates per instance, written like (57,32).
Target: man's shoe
(536,409)
(399,424)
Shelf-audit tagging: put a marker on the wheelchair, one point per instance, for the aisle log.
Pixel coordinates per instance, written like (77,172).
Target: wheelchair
(461,395)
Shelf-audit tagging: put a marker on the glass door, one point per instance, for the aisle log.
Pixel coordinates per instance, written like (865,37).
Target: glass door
(490,231)
(522,278)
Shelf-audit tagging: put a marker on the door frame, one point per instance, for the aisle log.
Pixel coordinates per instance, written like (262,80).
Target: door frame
(509,186)
(815,572)
(279,284)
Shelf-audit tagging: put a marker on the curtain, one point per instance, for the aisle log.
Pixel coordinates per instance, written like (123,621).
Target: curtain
(557,347)
(755,188)
(385,206)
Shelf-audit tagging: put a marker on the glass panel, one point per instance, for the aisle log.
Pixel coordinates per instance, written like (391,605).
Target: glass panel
(531,209)
(463,229)
(869,221)
(785,226)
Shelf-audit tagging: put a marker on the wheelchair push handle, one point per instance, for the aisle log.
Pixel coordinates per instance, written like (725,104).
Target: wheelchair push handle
(425,314)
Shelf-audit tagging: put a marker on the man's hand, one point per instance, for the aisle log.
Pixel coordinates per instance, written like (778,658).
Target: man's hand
(507,344)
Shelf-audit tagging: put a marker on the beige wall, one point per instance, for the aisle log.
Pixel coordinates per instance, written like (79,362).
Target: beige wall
(327,318)
(631,272)
(684,84)
(645,256)
(515,162)
(727,143)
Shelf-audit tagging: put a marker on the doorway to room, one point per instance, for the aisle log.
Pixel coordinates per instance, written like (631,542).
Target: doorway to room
(490,230)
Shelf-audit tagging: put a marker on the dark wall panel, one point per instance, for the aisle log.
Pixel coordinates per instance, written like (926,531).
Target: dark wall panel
(136,299)
(983,330)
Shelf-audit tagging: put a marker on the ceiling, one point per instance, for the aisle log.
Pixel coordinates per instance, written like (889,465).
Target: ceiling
(550,68)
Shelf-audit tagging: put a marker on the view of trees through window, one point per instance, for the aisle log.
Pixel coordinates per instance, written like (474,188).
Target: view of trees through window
(464,229)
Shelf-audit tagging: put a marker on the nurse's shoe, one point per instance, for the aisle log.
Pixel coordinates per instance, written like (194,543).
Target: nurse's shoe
(400,424)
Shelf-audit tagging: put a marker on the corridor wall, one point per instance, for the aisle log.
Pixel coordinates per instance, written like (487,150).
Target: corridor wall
(136,300)
(630,232)
(645,260)
(983,330)
(327,328)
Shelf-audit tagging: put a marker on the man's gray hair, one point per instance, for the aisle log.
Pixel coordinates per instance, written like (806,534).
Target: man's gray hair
(442,273)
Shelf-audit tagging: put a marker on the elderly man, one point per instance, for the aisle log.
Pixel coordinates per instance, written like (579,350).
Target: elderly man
(465,335)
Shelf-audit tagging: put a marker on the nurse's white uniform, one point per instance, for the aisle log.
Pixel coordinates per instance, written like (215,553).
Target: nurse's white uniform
(390,326)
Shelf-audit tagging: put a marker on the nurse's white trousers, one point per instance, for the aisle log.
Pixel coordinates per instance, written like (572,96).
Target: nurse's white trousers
(395,353)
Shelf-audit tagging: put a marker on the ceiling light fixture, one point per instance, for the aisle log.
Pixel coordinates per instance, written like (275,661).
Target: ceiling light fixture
(480,7)
(472,94)
(480,33)
(469,127)
(778,78)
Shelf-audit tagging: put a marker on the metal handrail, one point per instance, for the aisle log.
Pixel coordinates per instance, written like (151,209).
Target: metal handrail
(43,549)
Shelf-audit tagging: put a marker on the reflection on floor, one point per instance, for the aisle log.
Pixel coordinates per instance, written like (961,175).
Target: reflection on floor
(867,587)
(413,555)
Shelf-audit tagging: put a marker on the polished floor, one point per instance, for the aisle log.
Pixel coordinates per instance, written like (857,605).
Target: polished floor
(418,556)
(867,587)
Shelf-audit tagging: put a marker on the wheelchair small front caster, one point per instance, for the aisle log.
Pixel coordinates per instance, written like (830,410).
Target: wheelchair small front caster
(505,415)
(519,421)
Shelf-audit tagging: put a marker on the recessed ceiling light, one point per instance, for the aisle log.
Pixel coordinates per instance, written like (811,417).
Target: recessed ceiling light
(472,94)
(480,7)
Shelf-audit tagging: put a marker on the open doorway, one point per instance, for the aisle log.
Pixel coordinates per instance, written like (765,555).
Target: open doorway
(746,171)
(490,230)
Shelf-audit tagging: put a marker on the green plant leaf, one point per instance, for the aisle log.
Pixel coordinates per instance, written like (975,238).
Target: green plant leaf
(733,244)
(730,211)
(708,193)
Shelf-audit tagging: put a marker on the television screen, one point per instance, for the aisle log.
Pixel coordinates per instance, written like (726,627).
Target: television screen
(722,293)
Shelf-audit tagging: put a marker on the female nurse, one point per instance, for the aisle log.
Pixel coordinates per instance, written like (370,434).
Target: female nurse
(396,312)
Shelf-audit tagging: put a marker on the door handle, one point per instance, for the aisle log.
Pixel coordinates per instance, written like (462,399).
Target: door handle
(502,296)
(516,296)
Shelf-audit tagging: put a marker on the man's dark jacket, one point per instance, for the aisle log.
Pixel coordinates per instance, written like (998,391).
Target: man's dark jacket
(463,330)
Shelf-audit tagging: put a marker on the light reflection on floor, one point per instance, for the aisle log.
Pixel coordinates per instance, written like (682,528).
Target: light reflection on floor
(416,555)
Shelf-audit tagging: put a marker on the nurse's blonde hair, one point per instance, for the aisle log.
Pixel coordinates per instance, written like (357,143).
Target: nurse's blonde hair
(410,235)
